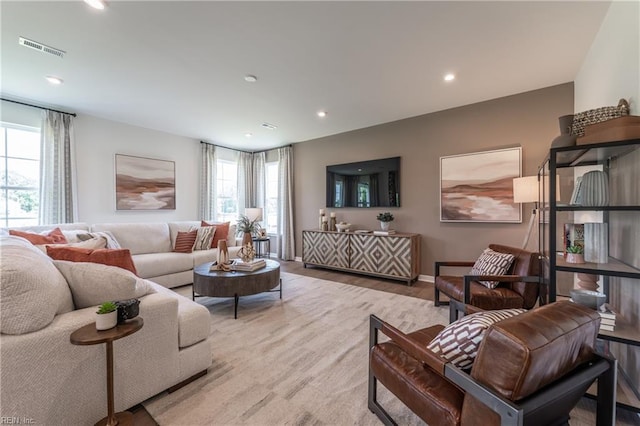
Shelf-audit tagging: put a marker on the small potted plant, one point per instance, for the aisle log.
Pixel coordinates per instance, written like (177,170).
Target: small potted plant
(385,219)
(247,228)
(575,254)
(106,316)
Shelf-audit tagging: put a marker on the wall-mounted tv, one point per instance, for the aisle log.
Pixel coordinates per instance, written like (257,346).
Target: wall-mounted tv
(373,183)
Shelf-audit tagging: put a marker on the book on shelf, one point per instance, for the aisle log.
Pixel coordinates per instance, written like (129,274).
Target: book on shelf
(607,321)
(389,232)
(575,196)
(607,327)
(362,231)
(239,265)
(605,311)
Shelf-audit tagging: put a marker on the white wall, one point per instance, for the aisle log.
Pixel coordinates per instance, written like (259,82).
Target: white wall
(611,69)
(97,142)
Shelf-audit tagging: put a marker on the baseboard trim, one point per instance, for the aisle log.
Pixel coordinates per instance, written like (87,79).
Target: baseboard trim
(187,381)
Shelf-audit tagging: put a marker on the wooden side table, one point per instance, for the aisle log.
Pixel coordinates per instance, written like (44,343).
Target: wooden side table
(88,335)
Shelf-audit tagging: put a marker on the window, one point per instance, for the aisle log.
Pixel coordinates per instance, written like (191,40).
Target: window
(227,191)
(19,175)
(271,198)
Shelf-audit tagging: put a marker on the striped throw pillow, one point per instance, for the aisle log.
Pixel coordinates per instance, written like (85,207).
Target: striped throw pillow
(492,263)
(204,237)
(458,342)
(185,241)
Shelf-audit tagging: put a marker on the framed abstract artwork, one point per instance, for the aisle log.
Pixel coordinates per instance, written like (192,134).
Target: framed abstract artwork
(145,183)
(478,187)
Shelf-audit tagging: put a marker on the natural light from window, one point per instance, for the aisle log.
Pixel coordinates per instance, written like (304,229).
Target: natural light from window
(227,191)
(20,175)
(271,198)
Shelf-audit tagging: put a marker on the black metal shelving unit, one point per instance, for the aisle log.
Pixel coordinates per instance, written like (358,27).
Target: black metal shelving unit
(620,271)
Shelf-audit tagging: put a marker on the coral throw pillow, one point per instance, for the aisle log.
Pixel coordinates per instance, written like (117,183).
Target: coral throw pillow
(54,237)
(112,257)
(185,241)
(222,232)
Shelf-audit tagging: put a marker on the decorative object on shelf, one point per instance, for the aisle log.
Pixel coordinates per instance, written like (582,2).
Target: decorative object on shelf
(247,253)
(127,309)
(223,252)
(594,189)
(596,242)
(575,254)
(573,236)
(321,218)
(565,138)
(489,197)
(332,221)
(588,281)
(385,219)
(588,298)
(616,129)
(342,226)
(593,116)
(106,316)
(145,183)
(247,228)
(325,223)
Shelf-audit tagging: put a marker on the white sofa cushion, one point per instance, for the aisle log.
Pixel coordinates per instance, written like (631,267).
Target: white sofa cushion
(139,238)
(93,283)
(32,291)
(156,264)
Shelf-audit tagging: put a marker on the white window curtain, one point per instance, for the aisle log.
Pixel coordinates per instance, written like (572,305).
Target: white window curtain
(58,199)
(208,182)
(245,181)
(259,179)
(286,242)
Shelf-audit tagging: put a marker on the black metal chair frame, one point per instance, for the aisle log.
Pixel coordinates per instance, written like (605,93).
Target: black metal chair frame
(524,412)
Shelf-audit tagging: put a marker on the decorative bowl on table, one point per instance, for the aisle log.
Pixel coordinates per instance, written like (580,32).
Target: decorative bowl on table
(590,299)
(342,227)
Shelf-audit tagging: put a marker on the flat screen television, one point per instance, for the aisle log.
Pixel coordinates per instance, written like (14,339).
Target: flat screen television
(373,183)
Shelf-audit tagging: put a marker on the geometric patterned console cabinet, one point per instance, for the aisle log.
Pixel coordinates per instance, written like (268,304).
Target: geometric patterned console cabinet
(390,256)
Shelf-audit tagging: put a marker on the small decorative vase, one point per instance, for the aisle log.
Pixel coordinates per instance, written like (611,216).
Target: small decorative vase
(106,321)
(247,239)
(247,253)
(332,223)
(565,138)
(223,252)
(384,225)
(575,258)
(594,189)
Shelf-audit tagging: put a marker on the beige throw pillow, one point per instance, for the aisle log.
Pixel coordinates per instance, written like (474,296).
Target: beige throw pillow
(94,283)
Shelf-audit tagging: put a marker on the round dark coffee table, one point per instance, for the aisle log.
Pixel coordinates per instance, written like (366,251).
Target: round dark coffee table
(236,283)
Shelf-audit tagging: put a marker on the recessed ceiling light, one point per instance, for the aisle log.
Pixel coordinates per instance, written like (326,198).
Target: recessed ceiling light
(250,78)
(322,114)
(96,4)
(54,80)
(248,134)
(449,77)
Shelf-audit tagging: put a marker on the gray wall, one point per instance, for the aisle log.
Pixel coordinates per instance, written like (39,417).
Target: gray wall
(529,120)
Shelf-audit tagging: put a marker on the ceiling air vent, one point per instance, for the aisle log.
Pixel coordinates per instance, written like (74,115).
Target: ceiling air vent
(41,47)
(268,126)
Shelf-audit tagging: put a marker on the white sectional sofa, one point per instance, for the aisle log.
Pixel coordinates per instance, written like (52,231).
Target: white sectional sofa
(151,246)
(50,381)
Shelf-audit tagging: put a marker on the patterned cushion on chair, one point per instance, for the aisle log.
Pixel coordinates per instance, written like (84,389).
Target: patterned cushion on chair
(458,342)
(492,263)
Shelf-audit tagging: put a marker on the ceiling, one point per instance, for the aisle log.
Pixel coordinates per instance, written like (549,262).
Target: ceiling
(179,67)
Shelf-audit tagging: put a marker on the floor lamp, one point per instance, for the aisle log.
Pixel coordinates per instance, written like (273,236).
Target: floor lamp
(526,190)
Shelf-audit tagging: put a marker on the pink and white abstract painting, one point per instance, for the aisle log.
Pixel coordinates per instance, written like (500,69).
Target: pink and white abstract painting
(145,183)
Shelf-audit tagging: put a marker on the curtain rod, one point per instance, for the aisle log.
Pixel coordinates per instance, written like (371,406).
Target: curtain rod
(248,152)
(38,106)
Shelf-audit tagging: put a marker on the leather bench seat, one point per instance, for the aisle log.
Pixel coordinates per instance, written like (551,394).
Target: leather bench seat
(426,394)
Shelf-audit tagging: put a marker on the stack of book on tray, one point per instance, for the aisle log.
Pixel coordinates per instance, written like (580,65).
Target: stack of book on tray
(607,318)
(239,265)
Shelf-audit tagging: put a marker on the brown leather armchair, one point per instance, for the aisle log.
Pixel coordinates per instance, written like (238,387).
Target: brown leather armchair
(530,369)
(519,288)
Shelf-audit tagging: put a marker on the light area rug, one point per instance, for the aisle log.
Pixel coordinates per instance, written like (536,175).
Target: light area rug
(302,360)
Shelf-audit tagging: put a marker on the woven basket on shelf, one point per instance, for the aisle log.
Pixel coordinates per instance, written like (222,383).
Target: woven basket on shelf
(593,116)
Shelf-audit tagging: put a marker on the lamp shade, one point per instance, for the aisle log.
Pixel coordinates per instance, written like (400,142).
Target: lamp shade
(525,189)
(254,213)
